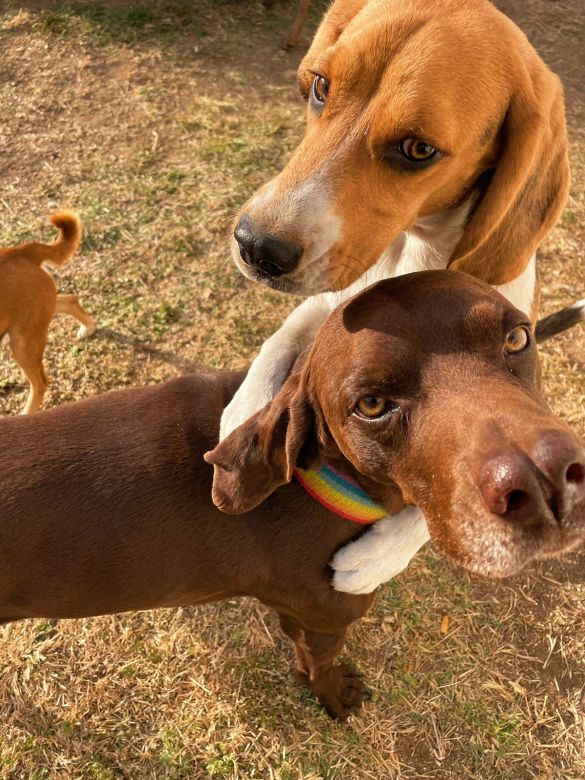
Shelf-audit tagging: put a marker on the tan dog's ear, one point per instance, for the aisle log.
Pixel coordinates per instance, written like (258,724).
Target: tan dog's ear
(261,454)
(529,186)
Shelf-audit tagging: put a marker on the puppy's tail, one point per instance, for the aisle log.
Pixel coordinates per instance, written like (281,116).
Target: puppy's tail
(57,253)
(67,241)
(559,321)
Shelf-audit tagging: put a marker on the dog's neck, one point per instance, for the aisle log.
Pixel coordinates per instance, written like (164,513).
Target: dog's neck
(429,244)
(336,483)
(341,494)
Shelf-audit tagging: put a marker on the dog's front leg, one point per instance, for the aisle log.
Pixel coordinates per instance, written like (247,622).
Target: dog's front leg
(381,553)
(338,687)
(275,360)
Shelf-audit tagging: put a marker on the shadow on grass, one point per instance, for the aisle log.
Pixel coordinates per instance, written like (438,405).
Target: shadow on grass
(185,366)
(159,19)
(164,21)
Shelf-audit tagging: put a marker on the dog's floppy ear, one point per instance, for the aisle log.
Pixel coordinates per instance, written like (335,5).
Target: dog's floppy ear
(528,188)
(260,455)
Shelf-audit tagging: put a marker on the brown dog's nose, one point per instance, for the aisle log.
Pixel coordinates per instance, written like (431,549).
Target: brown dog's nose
(520,489)
(563,464)
(270,255)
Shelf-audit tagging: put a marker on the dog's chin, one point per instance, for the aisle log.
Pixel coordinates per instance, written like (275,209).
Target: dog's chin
(285,284)
(498,558)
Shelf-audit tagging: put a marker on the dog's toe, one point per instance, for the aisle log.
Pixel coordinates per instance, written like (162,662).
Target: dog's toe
(85,331)
(356,582)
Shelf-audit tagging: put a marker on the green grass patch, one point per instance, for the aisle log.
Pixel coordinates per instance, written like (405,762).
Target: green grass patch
(161,21)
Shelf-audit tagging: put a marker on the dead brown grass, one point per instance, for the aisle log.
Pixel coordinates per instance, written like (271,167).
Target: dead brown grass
(154,120)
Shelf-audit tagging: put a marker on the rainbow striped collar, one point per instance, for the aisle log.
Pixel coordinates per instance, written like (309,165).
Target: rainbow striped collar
(340,494)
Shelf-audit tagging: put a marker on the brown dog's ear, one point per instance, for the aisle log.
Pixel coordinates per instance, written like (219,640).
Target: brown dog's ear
(260,455)
(528,189)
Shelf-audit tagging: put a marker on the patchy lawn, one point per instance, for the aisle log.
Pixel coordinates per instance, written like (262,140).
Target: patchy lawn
(155,120)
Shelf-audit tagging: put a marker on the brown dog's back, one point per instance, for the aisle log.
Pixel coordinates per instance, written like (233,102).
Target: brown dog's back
(105,506)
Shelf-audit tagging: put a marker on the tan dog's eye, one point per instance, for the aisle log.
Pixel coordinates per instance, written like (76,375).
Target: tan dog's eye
(320,90)
(517,340)
(417,150)
(371,406)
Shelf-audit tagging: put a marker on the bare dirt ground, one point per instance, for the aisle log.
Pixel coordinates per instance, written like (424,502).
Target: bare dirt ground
(155,120)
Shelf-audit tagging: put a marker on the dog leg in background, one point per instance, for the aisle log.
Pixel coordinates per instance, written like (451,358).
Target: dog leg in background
(291,39)
(69,304)
(338,687)
(28,348)
(275,360)
(381,553)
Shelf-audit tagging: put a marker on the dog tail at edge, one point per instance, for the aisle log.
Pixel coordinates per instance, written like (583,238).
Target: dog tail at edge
(559,321)
(68,240)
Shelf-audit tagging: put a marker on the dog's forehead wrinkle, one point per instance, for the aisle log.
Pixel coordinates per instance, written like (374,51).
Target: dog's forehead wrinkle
(484,316)
(404,58)
(368,47)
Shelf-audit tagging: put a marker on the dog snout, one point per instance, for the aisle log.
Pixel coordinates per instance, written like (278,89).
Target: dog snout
(527,489)
(268,254)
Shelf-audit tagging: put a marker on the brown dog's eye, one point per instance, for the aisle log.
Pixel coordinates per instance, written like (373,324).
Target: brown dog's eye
(517,340)
(371,406)
(320,90)
(417,150)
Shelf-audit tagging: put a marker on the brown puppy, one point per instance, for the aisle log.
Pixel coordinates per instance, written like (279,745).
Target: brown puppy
(105,505)
(29,301)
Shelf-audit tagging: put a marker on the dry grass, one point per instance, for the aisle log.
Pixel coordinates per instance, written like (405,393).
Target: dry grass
(154,120)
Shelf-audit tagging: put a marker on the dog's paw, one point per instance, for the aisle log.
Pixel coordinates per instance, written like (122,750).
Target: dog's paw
(289,42)
(86,331)
(341,691)
(363,580)
(379,554)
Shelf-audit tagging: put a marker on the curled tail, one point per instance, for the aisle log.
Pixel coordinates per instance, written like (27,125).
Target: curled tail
(559,321)
(67,241)
(57,253)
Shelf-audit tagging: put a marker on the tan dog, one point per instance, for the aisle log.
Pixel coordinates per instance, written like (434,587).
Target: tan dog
(414,108)
(29,300)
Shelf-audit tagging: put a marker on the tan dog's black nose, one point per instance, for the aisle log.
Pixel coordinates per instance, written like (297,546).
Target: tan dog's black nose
(523,489)
(269,255)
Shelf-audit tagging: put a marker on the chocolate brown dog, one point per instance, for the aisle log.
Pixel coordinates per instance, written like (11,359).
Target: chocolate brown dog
(105,505)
